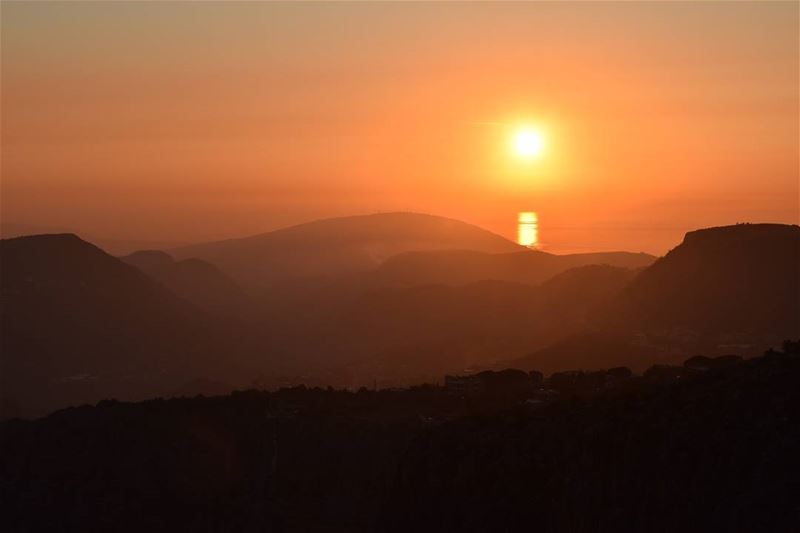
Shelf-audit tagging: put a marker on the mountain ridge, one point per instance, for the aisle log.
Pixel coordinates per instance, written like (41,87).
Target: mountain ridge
(195,280)
(329,247)
(460,267)
(79,324)
(722,280)
(71,310)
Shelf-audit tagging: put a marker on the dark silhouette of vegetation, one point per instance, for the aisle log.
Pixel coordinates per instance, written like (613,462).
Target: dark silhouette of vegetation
(711,450)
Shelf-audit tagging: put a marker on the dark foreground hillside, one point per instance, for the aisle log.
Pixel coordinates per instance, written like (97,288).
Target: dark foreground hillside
(715,450)
(718,452)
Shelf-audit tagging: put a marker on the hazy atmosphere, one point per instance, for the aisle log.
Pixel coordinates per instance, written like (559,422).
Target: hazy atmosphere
(170,122)
(399,267)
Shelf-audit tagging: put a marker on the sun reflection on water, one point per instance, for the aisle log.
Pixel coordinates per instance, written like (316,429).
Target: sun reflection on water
(528,229)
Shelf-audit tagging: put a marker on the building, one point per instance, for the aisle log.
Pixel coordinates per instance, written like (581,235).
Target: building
(464,385)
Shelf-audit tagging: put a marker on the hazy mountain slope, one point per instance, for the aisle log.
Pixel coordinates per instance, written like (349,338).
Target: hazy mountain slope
(459,267)
(418,333)
(331,247)
(114,246)
(80,325)
(575,297)
(732,288)
(739,281)
(147,260)
(594,350)
(577,293)
(196,280)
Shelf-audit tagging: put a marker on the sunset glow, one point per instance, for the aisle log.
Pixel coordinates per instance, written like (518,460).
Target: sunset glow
(278,266)
(528,143)
(260,115)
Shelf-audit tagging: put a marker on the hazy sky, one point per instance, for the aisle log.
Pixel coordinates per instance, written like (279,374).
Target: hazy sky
(186,122)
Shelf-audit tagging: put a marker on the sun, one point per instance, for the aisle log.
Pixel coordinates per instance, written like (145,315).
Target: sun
(528,143)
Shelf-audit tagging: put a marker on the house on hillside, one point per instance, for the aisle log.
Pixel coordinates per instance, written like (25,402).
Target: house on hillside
(665,373)
(698,363)
(509,380)
(464,385)
(540,397)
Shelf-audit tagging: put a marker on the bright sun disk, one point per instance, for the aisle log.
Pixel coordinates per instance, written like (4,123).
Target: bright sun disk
(528,143)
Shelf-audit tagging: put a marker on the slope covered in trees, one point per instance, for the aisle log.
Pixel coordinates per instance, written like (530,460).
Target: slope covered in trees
(711,448)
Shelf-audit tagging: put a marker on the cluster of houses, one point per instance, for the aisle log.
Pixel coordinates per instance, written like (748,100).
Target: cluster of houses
(533,384)
(538,389)
(509,380)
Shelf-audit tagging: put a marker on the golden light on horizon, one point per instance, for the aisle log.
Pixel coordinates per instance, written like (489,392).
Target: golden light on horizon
(528,143)
(528,229)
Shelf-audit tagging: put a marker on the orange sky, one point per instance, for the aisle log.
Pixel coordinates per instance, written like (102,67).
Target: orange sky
(183,122)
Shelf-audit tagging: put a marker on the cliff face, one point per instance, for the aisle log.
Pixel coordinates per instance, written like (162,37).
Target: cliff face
(733,280)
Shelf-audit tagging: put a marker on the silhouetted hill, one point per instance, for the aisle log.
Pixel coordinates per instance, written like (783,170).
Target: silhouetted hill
(576,297)
(84,316)
(716,452)
(593,349)
(412,334)
(332,247)
(80,325)
(147,260)
(114,246)
(294,460)
(732,288)
(459,267)
(737,284)
(196,280)
(713,451)
(586,284)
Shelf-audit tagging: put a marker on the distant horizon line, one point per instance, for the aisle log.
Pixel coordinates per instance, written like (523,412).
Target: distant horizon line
(139,244)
